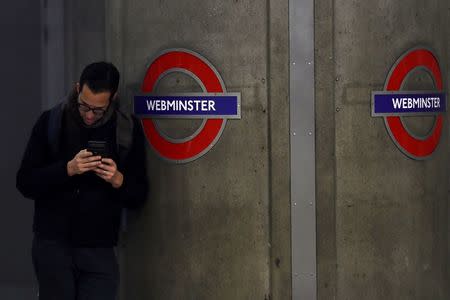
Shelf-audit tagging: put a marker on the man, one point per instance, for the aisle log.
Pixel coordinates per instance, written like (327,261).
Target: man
(78,195)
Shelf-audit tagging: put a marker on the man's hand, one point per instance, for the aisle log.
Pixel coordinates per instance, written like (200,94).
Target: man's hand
(107,170)
(82,162)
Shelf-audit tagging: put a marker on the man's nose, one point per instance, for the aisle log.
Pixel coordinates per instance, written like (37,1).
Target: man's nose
(90,114)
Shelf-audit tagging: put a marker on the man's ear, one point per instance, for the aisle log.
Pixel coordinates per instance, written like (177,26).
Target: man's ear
(115,96)
(77,87)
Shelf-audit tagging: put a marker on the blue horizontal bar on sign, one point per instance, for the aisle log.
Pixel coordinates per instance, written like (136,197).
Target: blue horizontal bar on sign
(194,105)
(407,103)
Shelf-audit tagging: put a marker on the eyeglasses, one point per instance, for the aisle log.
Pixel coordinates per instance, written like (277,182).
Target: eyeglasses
(84,107)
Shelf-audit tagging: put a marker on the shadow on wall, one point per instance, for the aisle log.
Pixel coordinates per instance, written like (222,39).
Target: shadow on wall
(21,105)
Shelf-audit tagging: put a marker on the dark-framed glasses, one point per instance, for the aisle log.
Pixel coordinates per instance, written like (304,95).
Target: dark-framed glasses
(83,107)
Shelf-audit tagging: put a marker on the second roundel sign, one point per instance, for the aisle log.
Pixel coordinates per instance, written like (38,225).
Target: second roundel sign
(393,103)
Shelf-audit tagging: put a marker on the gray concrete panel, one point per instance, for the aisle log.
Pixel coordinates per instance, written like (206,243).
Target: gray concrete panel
(52,52)
(279,166)
(205,232)
(325,149)
(389,209)
(84,37)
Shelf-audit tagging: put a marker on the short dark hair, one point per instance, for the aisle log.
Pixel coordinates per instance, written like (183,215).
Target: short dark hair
(100,77)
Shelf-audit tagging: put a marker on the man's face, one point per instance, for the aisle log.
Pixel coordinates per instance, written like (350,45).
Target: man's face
(92,106)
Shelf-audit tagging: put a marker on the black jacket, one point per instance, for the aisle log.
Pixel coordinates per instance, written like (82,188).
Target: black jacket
(83,209)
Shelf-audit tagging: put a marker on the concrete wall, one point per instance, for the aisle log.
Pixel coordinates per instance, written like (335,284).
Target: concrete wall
(382,217)
(206,231)
(219,227)
(84,33)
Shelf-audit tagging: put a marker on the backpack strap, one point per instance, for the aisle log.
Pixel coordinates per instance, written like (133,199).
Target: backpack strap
(124,133)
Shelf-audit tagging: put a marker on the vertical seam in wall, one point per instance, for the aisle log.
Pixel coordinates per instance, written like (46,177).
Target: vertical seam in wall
(44,68)
(316,268)
(333,55)
(75,32)
(269,148)
(289,145)
(68,45)
(114,38)
(106,32)
(123,9)
(65,37)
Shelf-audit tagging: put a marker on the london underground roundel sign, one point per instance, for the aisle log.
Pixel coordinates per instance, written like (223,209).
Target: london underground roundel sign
(214,105)
(393,103)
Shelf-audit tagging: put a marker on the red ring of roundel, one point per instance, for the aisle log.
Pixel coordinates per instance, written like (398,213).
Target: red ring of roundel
(194,147)
(419,148)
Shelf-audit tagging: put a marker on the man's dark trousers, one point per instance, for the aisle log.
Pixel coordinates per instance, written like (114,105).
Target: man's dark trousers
(68,273)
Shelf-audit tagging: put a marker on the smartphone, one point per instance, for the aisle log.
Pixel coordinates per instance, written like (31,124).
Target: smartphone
(98,148)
